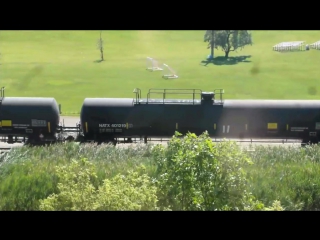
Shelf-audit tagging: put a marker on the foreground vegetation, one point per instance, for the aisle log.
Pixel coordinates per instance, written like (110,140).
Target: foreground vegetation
(63,64)
(192,173)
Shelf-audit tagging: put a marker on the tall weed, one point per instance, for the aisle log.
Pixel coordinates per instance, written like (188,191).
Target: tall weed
(289,174)
(192,174)
(28,174)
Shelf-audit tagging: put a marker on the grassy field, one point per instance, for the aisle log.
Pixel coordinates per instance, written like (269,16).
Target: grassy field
(63,64)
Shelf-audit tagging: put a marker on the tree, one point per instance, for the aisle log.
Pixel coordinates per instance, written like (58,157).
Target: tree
(228,40)
(100,46)
(209,37)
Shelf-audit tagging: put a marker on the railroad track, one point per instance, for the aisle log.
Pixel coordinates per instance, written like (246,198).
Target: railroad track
(4,150)
(284,141)
(158,140)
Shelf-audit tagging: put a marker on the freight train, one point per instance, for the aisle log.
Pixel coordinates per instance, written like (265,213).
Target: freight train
(105,120)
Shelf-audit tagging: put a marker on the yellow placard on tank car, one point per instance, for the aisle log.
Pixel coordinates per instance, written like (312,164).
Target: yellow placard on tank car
(6,123)
(272,126)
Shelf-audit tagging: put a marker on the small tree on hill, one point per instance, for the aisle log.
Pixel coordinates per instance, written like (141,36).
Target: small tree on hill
(100,46)
(228,40)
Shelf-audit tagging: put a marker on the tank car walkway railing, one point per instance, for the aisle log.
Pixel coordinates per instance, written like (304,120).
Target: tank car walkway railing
(194,95)
(220,92)
(171,92)
(137,91)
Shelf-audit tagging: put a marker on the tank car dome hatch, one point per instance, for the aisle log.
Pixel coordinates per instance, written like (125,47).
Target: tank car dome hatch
(207,96)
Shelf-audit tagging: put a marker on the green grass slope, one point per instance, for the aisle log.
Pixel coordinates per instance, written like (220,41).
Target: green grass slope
(63,64)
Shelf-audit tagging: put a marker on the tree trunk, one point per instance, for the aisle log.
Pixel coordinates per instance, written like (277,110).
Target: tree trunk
(212,44)
(101,55)
(226,53)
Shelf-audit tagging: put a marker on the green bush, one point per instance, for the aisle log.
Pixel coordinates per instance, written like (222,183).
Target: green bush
(76,191)
(196,174)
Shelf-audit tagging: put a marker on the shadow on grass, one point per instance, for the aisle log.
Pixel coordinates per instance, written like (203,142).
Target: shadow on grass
(226,61)
(98,61)
(170,79)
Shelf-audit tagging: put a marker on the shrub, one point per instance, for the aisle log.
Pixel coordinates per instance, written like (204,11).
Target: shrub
(197,174)
(131,192)
(76,191)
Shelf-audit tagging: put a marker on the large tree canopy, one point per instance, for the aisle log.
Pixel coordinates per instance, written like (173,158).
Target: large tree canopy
(227,40)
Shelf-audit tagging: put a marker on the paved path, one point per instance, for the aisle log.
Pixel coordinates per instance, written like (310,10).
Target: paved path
(69,121)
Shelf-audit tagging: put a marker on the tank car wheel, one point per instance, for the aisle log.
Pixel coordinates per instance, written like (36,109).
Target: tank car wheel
(80,139)
(30,142)
(305,143)
(70,139)
(47,144)
(111,142)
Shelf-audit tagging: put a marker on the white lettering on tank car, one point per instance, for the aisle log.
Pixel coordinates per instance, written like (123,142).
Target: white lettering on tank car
(38,123)
(115,125)
(104,125)
(20,125)
(118,125)
(298,129)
